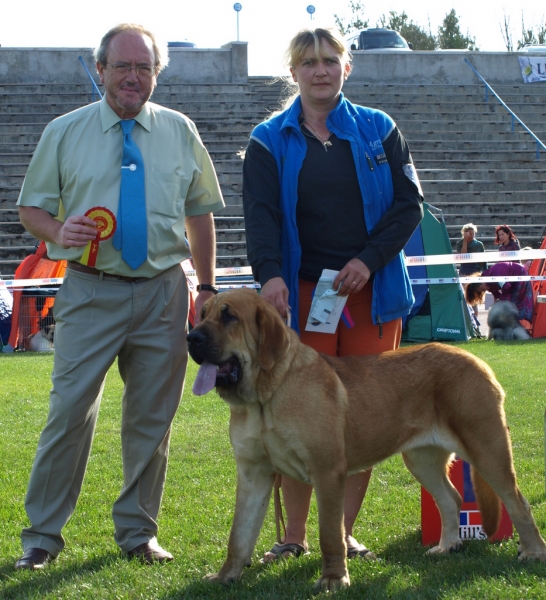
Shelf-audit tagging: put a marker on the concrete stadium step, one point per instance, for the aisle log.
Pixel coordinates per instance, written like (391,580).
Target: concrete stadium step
(16,157)
(10,227)
(230,235)
(471,214)
(485,198)
(451,114)
(39,88)
(16,240)
(188,107)
(158,98)
(423,135)
(24,129)
(201,88)
(224,221)
(515,219)
(504,176)
(8,195)
(484,146)
(28,118)
(233,209)
(431,186)
(478,163)
(497,125)
(9,214)
(509,158)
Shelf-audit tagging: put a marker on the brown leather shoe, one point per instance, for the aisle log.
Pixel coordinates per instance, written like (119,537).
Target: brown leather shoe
(34,558)
(150,552)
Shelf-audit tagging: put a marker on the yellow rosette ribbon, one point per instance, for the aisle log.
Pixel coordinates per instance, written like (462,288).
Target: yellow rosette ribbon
(106,226)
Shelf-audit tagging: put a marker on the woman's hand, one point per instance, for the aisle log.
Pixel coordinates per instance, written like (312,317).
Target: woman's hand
(276,293)
(353,277)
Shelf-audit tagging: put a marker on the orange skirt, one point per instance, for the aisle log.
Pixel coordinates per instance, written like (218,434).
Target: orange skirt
(361,339)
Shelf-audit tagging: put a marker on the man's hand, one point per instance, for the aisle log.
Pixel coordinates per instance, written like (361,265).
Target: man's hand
(76,231)
(353,277)
(276,293)
(202,297)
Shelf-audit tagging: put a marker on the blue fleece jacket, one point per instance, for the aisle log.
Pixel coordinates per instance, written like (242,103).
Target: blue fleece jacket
(365,129)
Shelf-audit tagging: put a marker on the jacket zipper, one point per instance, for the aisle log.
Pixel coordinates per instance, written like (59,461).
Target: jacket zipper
(380,323)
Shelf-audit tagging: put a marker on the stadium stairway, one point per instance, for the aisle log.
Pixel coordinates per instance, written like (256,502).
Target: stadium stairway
(471,165)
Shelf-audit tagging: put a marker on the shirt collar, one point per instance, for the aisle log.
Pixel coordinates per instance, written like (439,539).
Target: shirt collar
(109,118)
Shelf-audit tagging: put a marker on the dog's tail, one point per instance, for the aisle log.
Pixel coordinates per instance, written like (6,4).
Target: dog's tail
(488,502)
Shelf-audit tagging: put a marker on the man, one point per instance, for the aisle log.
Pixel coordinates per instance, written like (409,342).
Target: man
(127,300)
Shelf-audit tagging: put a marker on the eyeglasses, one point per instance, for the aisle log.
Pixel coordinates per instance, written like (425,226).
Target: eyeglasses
(125,69)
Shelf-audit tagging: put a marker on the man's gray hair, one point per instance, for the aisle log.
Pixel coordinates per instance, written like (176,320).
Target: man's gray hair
(160,50)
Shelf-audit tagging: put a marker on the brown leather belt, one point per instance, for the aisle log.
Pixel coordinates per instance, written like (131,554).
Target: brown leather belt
(75,266)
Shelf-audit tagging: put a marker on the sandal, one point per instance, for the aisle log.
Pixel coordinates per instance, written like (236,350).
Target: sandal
(354,550)
(279,550)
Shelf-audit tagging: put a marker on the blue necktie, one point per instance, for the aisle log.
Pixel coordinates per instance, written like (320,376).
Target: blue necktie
(131,231)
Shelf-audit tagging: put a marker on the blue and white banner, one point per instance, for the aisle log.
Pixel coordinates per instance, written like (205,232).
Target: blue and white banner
(533,68)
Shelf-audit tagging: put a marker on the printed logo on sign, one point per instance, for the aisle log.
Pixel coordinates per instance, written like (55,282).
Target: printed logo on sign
(470,525)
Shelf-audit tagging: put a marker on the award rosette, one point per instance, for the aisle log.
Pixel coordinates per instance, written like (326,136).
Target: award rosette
(106,226)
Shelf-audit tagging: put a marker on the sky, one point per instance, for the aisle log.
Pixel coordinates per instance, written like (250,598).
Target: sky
(266,25)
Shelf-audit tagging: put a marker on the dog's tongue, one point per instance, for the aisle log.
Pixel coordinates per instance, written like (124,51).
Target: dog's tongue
(206,379)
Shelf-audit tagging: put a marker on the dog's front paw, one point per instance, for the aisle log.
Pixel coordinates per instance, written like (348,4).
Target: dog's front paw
(329,584)
(453,546)
(217,578)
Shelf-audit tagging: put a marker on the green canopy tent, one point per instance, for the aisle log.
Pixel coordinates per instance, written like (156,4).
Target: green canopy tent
(440,311)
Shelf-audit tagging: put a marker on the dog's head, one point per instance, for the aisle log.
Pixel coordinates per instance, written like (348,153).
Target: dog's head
(239,336)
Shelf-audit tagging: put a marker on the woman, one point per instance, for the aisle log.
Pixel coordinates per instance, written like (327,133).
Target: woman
(506,239)
(327,184)
(469,244)
(518,292)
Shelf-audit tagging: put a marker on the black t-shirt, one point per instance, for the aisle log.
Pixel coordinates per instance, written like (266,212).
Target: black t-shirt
(329,212)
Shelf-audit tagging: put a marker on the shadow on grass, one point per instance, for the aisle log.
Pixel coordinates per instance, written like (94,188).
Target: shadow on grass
(37,584)
(403,572)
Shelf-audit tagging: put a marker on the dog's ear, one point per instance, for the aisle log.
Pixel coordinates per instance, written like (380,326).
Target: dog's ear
(274,338)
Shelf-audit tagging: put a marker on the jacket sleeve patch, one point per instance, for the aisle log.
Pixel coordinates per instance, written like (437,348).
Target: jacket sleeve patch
(411,174)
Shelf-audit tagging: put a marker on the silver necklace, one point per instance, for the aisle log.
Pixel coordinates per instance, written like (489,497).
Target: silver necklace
(325,143)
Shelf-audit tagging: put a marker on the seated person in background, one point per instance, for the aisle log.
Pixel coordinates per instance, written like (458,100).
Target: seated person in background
(518,292)
(469,244)
(506,239)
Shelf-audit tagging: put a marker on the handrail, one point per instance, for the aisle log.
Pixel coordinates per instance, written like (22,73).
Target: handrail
(94,87)
(514,116)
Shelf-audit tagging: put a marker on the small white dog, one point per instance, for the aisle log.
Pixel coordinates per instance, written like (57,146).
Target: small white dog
(43,340)
(503,321)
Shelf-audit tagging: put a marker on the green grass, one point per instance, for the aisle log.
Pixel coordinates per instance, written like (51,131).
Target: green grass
(199,499)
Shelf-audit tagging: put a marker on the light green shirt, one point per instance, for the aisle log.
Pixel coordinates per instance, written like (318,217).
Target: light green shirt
(77,166)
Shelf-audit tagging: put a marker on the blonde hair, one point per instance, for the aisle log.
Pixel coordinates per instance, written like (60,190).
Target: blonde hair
(161,54)
(468,227)
(314,37)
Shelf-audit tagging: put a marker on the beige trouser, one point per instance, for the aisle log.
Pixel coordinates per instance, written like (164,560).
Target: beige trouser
(97,320)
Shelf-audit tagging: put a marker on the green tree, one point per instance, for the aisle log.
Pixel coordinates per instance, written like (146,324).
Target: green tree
(413,33)
(355,22)
(450,36)
(535,35)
